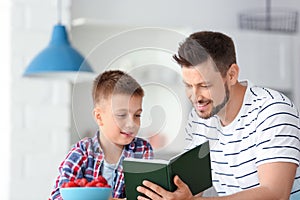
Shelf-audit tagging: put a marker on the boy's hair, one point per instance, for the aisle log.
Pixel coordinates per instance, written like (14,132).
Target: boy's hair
(201,46)
(115,82)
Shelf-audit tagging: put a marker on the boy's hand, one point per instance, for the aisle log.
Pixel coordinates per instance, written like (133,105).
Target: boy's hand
(158,193)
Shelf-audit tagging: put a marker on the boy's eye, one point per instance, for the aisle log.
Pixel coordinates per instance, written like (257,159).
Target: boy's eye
(121,115)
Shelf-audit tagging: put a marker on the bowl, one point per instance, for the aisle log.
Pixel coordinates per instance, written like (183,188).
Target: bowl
(86,193)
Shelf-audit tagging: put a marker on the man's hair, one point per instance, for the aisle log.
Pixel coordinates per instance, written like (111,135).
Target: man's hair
(115,82)
(201,46)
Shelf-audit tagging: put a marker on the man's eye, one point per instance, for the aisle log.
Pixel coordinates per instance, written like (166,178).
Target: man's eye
(139,115)
(205,86)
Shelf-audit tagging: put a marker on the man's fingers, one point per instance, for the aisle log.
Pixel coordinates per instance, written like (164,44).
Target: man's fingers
(142,198)
(159,190)
(148,190)
(178,182)
(155,192)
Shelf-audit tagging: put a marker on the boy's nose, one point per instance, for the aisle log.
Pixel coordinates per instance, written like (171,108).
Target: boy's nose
(130,124)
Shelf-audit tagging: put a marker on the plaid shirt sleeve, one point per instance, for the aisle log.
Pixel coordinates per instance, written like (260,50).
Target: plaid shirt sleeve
(70,169)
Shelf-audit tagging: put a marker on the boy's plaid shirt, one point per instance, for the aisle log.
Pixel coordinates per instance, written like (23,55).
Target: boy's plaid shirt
(86,157)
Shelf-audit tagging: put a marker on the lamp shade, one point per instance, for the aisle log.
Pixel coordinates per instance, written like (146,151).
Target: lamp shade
(58,58)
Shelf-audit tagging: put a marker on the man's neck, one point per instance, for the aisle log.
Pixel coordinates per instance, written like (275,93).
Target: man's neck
(234,104)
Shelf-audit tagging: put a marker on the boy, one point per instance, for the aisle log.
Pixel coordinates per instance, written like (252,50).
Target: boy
(117,110)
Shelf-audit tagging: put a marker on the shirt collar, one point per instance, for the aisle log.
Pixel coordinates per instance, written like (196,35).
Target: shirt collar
(96,142)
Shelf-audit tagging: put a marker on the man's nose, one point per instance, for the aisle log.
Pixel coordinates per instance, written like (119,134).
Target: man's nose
(195,94)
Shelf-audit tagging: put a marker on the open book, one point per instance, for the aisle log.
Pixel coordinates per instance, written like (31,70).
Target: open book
(192,166)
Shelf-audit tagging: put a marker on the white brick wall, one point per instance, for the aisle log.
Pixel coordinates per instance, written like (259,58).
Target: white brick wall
(5,80)
(41,109)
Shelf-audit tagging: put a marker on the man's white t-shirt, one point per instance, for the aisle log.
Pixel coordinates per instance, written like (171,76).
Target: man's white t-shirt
(265,130)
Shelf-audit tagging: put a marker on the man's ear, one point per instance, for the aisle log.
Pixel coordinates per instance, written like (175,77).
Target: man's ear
(97,112)
(233,73)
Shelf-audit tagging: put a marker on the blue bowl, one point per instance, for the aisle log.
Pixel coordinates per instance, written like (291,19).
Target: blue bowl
(86,193)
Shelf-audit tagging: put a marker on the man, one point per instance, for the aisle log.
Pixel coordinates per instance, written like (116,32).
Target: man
(253,131)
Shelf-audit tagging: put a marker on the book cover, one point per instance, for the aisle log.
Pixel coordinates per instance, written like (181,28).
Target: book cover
(192,166)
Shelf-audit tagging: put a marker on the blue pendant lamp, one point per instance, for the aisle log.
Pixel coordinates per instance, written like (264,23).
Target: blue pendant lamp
(59,59)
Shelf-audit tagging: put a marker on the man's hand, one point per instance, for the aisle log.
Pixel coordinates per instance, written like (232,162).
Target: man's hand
(158,193)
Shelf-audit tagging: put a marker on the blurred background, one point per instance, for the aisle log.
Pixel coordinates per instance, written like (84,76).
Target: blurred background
(42,117)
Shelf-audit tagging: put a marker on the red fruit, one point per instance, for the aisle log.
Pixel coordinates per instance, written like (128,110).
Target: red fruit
(71,184)
(101,179)
(100,184)
(81,182)
(91,184)
(77,181)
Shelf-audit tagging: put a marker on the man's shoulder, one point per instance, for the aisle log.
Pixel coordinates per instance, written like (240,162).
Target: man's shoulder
(266,93)
(262,103)
(264,96)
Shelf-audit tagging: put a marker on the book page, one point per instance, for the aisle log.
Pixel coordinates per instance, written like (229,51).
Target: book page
(158,161)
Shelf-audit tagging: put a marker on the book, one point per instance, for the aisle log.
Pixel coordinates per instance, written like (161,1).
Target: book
(192,166)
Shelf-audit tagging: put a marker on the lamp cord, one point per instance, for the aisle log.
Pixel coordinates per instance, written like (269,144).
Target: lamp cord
(59,6)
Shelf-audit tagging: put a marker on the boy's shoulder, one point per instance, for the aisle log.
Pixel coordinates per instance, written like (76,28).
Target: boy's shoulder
(87,144)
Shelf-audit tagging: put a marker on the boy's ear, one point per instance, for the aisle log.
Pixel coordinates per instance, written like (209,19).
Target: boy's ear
(97,112)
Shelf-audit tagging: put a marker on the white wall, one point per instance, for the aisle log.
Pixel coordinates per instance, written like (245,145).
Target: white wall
(5,105)
(106,31)
(41,116)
